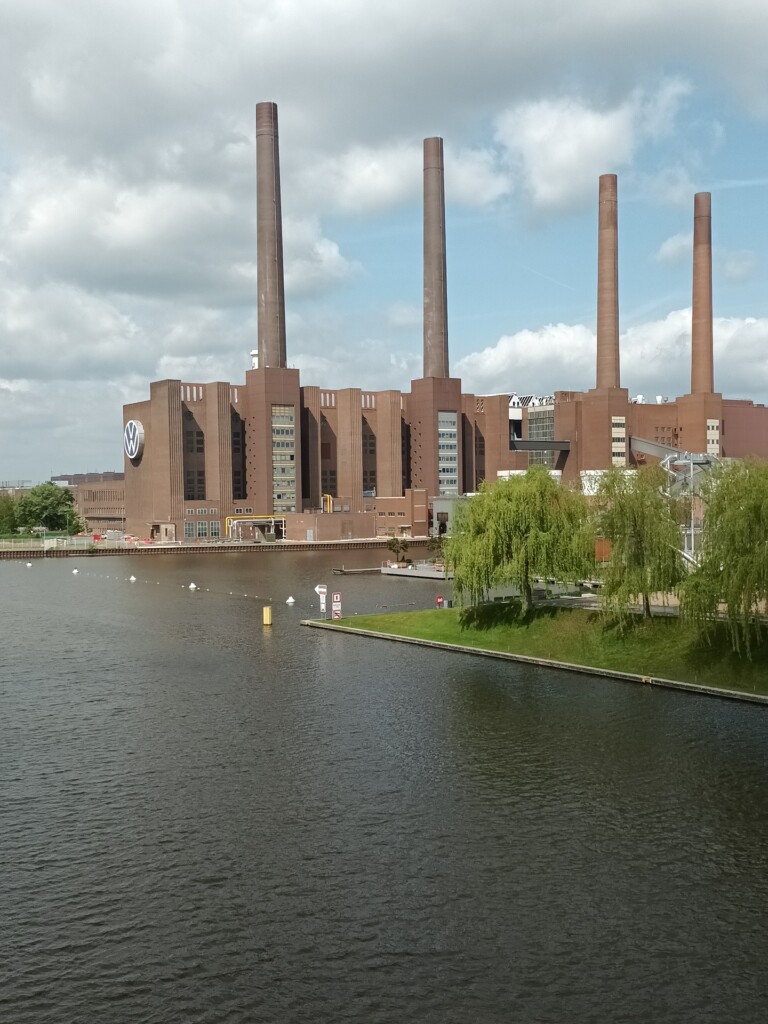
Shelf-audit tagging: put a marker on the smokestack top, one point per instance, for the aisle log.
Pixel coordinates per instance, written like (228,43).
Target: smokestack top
(266,119)
(609,187)
(433,154)
(702,204)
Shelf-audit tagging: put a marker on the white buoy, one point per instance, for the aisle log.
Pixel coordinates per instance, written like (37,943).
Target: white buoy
(290,601)
(132,579)
(75,572)
(29,565)
(193,586)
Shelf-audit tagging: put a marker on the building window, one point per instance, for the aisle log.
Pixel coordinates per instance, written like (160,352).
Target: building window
(202,528)
(541,427)
(215,529)
(194,442)
(189,531)
(194,484)
(283,451)
(447,453)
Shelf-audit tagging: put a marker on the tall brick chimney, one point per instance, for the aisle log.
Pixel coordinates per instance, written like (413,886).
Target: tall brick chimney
(608,285)
(269,239)
(702,356)
(435,294)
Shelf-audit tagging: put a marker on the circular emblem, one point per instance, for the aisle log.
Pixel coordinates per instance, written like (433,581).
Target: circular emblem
(133,440)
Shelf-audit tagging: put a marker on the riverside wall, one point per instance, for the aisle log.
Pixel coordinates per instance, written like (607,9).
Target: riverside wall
(97,550)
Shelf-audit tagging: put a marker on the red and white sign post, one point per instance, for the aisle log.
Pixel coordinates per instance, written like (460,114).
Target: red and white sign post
(321,590)
(336,605)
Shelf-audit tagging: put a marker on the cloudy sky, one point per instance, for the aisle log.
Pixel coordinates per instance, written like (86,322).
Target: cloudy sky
(127,195)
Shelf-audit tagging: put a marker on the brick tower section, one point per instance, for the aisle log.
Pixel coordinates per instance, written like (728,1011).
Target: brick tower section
(269,240)
(435,293)
(608,285)
(702,358)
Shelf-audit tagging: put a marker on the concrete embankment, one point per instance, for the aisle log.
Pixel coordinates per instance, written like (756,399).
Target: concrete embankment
(27,554)
(627,677)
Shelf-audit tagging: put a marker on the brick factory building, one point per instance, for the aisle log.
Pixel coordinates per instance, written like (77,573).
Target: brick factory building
(220,460)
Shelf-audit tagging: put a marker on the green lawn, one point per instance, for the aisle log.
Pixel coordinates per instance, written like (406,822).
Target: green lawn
(665,646)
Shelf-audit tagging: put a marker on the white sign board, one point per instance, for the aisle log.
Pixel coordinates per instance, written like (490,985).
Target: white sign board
(321,589)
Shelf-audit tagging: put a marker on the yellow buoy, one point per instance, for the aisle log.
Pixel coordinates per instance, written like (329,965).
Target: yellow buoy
(267,615)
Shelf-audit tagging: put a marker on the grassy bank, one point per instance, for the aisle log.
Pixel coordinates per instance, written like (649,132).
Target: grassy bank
(664,646)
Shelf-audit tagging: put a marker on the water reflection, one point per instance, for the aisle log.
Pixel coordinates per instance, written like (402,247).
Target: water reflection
(206,819)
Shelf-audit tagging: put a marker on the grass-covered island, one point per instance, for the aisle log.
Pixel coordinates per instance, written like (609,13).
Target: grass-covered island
(667,647)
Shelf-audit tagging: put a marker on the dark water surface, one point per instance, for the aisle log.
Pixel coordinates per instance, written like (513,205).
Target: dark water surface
(204,821)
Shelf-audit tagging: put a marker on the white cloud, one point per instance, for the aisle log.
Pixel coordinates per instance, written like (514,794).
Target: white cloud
(655,359)
(676,249)
(364,179)
(555,356)
(560,146)
(656,113)
(738,265)
(404,315)
(364,363)
(473,177)
(312,262)
(372,179)
(673,186)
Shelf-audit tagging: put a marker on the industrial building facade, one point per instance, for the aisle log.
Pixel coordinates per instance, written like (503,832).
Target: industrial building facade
(208,461)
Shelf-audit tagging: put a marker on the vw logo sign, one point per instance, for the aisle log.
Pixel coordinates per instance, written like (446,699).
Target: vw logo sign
(133,440)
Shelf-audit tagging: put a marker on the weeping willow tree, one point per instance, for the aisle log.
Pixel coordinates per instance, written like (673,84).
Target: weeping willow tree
(514,530)
(733,556)
(641,522)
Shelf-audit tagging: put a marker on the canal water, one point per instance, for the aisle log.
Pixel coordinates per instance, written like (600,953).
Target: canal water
(204,820)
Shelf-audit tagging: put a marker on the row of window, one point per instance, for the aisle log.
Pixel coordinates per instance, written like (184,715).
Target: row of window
(283,451)
(194,485)
(202,529)
(201,511)
(194,442)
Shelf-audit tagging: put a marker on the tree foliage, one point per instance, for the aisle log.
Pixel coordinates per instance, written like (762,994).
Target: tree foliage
(49,506)
(398,546)
(640,521)
(7,514)
(733,557)
(514,530)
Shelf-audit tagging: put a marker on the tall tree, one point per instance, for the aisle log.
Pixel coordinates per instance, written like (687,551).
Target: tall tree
(398,546)
(49,506)
(733,556)
(514,530)
(640,521)
(7,514)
